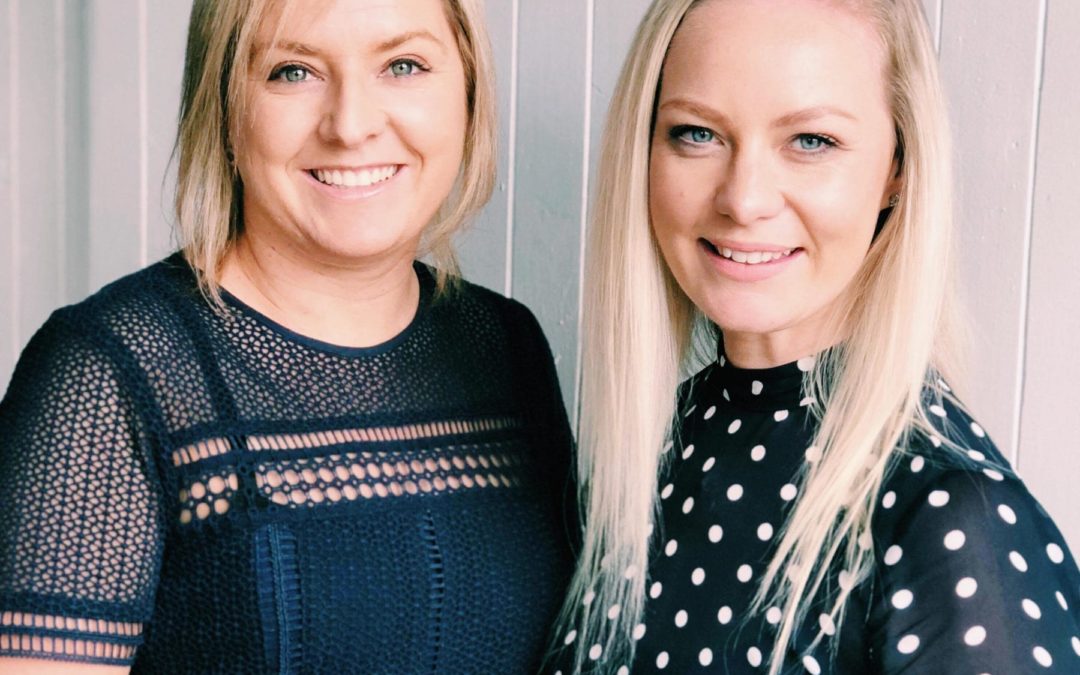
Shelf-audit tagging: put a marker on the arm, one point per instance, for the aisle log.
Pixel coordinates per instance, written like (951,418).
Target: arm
(19,666)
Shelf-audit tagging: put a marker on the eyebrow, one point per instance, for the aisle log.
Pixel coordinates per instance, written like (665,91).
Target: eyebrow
(792,118)
(384,46)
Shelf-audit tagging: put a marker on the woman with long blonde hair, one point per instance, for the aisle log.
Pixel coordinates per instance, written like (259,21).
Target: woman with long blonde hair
(774,195)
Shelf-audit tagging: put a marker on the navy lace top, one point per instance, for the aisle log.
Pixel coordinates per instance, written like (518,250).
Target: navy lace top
(971,576)
(183,491)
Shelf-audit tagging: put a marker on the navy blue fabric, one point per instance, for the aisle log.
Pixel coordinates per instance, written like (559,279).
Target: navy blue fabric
(184,490)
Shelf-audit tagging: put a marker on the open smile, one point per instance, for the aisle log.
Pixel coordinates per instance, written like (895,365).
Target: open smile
(348,178)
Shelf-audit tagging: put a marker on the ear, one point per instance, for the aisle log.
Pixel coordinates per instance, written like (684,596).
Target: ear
(895,184)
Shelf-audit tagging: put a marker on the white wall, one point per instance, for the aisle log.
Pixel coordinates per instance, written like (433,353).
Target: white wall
(88,100)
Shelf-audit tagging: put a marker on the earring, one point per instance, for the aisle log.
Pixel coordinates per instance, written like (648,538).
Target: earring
(894,200)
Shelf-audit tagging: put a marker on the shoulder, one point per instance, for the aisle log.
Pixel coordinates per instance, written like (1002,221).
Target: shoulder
(481,310)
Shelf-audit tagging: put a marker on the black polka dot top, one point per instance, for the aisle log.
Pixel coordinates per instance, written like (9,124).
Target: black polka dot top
(971,575)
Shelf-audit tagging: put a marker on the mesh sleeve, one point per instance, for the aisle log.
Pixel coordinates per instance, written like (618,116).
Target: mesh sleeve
(79,522)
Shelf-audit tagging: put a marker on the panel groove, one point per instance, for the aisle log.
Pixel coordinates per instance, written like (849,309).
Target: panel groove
(144,140)
(586,160)
(15,266)
(511,151)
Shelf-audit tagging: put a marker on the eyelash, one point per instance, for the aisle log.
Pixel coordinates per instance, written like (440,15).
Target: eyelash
(680,133)
(278,74)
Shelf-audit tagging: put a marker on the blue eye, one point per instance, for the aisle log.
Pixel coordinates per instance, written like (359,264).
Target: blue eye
(814,142)
(290,72)
(405,68)
(693,135)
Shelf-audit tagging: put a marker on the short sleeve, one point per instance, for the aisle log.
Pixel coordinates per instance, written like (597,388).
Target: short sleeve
(79,513)
(975,578)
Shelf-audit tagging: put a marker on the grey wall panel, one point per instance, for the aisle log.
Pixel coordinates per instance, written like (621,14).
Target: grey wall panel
(483,247)
(990,55)
(933,9)
(9,291)
(76,167)
(1050,455)
(117,138)
(553,81)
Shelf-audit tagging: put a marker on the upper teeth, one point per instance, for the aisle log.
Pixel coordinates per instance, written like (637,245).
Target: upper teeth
(754,257)
(361,178)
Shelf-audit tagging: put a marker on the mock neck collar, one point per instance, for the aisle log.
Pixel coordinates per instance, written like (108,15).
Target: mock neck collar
(760,388)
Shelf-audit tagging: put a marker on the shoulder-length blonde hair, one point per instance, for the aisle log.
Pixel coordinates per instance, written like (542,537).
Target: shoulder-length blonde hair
(640,335)
(221,35)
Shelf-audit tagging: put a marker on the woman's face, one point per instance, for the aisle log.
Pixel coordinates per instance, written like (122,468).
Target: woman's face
(773,154)
(354,127)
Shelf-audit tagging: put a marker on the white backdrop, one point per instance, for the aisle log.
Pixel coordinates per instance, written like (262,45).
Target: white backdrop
(88,101)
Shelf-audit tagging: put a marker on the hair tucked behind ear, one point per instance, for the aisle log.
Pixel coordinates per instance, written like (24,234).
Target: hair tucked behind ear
(639,334)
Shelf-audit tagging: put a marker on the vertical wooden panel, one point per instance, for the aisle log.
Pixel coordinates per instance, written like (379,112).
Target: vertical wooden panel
(616,23)
(39,158)
(990,57)
(166,27)
(76,169)
(116,239)
(8,270)
(483,247)
(553,83)
(1049,459)
(933,8)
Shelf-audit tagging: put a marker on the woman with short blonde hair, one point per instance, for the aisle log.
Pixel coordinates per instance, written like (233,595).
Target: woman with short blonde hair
(774,213)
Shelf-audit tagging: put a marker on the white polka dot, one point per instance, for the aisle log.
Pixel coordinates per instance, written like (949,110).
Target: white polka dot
(828,626)
(764,531)
(1018,561)
(893,555)
(639,631)
(613,612)
(756,387)
(671,547)
(788,492)
(780,415)
(938,410)
(993,475)
(744,573)
(1061,600)
(917,464)
(808,401)
(734,426)
(704,657)
(1007,514)
(716,533)
(709,463)
(902,599)
(697,577)
(655,590)
(688,451)
(623,670)
(570,637)
(908,644)
(710,412)
(976,455)
(805,364)
(595,651)
(735,492)
(1042,657)
(977,430)
(773,615)
(590,595)
(889,500)
(935,441)
(1054,552)
(630,572)
(974,636)
(688,505)
(966,587)
(681,618)
(1076,645)
(811,665)
(753,656)
(866,541)
(757,453)
(666,492)
(938,498)
(846,580)
(724,615)
(668,446)
(662,660)
(722,360)
(954,540)
(813,454)
(726,395)
(1031,609)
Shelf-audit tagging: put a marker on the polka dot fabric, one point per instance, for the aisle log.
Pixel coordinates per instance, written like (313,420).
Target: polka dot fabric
(186,492)
(971,574)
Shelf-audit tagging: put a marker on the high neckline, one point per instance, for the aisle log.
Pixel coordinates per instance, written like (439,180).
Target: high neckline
(760,388)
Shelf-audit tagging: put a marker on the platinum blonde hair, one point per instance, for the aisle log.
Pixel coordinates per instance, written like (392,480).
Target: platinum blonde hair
(209,194)
(643,335)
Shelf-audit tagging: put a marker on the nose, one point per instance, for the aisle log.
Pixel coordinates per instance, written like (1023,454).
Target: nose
(748,191)
(354,113)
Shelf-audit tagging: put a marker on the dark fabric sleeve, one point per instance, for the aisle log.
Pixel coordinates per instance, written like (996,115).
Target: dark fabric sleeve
(975,579)
(80,533)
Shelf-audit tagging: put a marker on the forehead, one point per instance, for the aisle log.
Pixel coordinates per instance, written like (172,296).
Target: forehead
(350,20)
(776,46)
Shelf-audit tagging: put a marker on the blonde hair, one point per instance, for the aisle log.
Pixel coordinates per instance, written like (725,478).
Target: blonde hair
(642,335)
(209,194)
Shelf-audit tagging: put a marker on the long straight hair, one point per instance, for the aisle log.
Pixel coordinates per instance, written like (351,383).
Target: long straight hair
(209,193)
(641,331)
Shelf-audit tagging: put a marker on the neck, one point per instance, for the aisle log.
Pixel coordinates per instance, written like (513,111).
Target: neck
(345,305)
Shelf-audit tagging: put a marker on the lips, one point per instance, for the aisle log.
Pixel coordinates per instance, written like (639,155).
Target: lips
(748,257)
(347,178)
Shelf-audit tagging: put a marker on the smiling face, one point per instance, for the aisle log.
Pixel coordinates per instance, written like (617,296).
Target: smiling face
(772,155)
(354,128)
